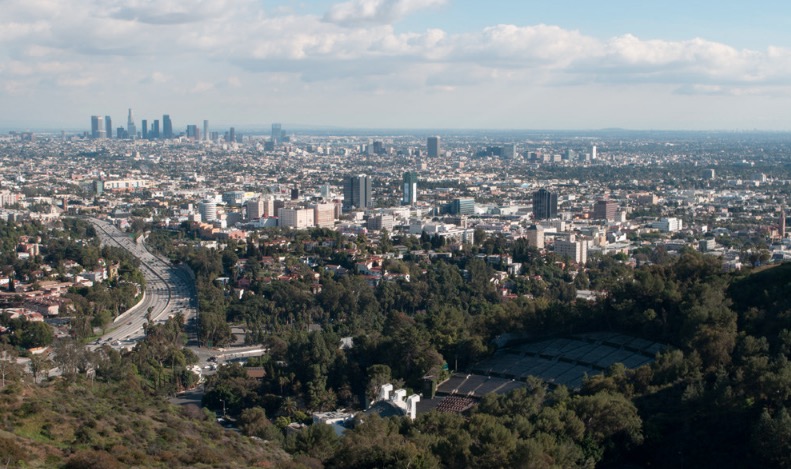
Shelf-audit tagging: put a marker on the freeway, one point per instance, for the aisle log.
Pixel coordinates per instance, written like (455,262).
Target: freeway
(169,290)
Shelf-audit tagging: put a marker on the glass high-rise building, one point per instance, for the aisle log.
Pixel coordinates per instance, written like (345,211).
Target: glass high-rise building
(97,126)
(357,192)
(545,204)
(462,207)
(131,129)
(433,147)
(277,134)
(155,129)
(167,126)
(410,188)
(108,127)
(144,129)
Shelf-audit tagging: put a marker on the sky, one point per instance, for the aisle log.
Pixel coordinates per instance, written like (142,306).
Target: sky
(401,64)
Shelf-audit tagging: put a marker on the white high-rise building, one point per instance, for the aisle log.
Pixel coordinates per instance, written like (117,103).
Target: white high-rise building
(208,211)
(576,250)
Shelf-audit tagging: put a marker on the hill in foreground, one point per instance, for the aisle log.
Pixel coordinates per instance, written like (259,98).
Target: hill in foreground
(87,425)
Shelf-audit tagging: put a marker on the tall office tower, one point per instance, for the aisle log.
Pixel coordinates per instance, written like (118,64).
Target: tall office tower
(205,129)
(232,135)
(593,152)
(108,126)
(357,192)
(193,132)
(154,129)
(167,126)
(269,207)
(433,147)
(144,129)
(782,229)
(97,124)
(509,151)
(545,204)
(131,129)
(410,188)
(255,208)
(605,210)
(277,134)
(379,147)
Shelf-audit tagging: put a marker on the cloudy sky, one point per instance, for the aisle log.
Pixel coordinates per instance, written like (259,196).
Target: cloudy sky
(539,64)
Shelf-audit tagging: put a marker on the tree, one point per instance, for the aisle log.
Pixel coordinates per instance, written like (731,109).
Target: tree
(253,422)
(611,420)
(10,370)
(38,364)
(318,441)
(771,438)
(377,443)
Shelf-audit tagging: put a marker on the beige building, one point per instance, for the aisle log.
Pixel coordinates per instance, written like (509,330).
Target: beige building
(535,237)
(299,218)
(324,215)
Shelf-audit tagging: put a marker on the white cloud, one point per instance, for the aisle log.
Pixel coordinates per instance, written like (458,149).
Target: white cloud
(362,12)
(154,49)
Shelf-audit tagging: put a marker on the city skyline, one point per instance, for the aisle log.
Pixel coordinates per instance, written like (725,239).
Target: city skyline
(428,64)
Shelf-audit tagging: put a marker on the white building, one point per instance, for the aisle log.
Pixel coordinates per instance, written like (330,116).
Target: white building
(668,225)
(299,218)
(208,211)
(575,249)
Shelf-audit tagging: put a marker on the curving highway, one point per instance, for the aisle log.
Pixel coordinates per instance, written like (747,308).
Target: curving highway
(169,290)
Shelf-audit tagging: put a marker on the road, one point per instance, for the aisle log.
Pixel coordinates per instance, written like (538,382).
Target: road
(169,291)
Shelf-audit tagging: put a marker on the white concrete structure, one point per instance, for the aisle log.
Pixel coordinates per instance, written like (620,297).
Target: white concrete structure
(299,218)
(575,249)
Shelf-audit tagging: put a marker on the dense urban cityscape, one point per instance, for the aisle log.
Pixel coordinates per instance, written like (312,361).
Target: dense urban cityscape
(281,278)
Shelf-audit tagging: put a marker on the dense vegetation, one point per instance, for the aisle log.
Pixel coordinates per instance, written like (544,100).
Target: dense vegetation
(718,396)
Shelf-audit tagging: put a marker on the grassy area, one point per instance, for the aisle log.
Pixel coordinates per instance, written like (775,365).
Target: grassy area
(101,425)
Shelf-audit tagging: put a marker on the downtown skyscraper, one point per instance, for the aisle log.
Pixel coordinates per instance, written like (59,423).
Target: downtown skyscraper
(131,129)
(357,192)
(108,127)
(277,134)
(167,126)
(97,127)
(545,204)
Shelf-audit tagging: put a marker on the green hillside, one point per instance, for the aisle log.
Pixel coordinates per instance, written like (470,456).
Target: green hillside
(96,425)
